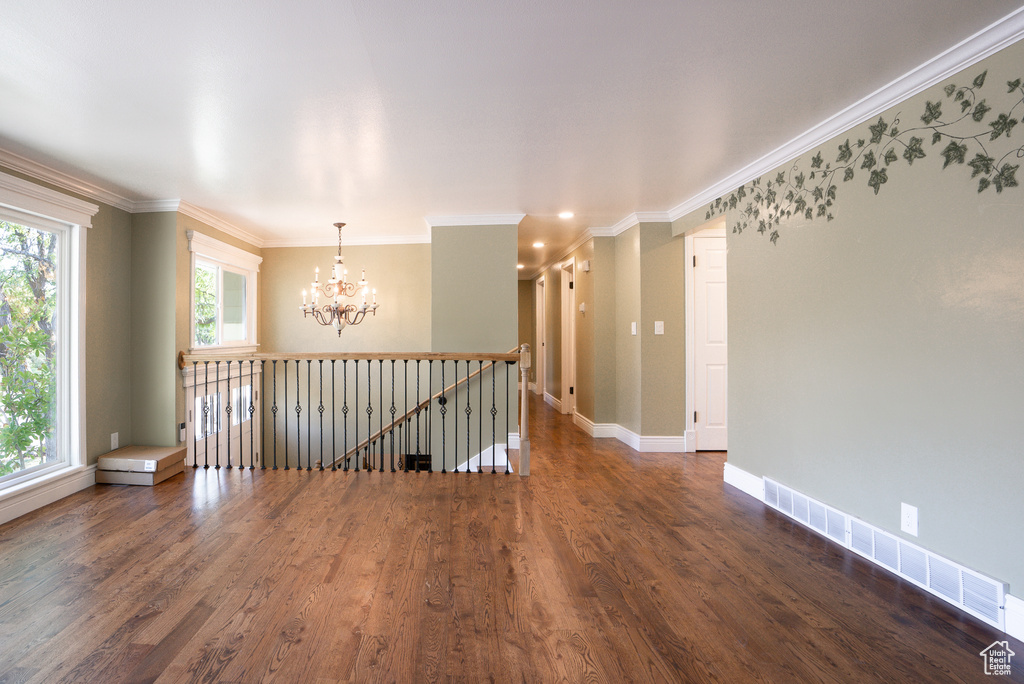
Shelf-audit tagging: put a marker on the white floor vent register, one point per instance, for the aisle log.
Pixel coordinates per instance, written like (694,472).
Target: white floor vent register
(982,597)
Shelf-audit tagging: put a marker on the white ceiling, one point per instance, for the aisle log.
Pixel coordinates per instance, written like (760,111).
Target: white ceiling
(284,117)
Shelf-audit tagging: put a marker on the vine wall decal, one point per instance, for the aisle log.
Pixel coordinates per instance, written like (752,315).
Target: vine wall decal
(811,192)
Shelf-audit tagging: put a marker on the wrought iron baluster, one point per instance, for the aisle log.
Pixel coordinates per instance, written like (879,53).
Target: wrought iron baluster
(263,415)
(455,406)
(494,414)
(309,416)
(252,410)
(392,429)
(273,410)
(287,446)
(369,414)
(216,418)
(355,402)
(405,404)
(469,418)
(344,410)
(430,417)
(206,414)
(195,418)
(228,409)
(334,424)
(321,409)
(444,410)
(507,402)
(480,415)
(418,415)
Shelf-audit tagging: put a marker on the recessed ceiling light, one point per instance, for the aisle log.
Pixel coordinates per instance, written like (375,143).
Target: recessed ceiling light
(520,266)
(538,244)
(566,215)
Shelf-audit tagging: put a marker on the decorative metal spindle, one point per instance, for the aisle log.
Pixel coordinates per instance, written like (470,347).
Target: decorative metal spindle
(206,414)
(494,415)
(287,446)
(195,418)
(406,422)
(369,413)
(228,409)
(455,406)
(355,402)
(392,430)
(252,410)
(216,442)
(469,417)
(344,410)
(507,402)
(321,409)
(444,410)
(309,416)
(273,410)
(430,417)
(334,424)
(263,416)
(480,416)
(417,415)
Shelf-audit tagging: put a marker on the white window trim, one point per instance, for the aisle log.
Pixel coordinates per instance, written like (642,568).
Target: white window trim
(209,249)
(24,202)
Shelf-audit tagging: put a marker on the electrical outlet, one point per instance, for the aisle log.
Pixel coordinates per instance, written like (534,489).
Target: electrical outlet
(659,327)
(908,518)
(113,440)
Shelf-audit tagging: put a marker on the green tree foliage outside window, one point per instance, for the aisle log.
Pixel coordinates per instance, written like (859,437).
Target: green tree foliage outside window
(206,305)
(28,345)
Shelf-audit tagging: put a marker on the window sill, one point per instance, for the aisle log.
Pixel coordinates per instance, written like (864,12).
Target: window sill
(25,497)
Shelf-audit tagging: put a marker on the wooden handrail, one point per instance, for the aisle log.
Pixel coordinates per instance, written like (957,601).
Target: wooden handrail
(186,358)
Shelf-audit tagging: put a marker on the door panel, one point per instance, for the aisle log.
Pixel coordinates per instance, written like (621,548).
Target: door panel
(711,344)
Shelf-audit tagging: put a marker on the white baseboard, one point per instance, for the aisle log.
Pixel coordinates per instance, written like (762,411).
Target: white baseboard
(1015,617)
(26,498)
(691,440)
(553,402)
(513,440)
(744,481)
(662,444)
(497,457)
(533,387)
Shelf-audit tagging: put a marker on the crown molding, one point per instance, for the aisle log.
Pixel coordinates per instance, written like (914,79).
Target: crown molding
(628,222)
(475,220)
(33,199)
(201,215)
(358,242)
(977,47)
(41,172)
(148,206)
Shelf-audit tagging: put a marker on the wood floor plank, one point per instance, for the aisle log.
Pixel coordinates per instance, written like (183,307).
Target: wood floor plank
(606,565)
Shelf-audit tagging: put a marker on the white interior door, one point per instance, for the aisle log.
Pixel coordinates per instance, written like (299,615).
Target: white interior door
(540,349)
(711,379)
(568,337)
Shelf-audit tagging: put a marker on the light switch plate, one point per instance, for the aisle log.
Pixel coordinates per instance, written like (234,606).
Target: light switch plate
(634,327)
(659,327)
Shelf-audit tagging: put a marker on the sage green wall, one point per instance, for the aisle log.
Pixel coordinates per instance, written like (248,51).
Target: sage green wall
(398,272)
(108,333)
(474,296)
(584,288)
(876,358)
(603,314)
(663,358)
(152,314)
(527,319)
(628,367)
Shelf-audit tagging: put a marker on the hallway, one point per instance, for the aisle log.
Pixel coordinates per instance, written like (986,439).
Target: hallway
(605,565)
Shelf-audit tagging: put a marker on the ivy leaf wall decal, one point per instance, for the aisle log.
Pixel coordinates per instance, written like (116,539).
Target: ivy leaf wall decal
(811,193)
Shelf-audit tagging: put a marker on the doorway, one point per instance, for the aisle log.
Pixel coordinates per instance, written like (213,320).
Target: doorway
(707,369)
(568,398)
(539,350)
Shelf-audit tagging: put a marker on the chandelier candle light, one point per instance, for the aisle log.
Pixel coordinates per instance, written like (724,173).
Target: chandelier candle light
(335,312)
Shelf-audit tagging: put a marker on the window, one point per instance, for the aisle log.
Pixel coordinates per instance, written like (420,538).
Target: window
(223,293)
(42,236)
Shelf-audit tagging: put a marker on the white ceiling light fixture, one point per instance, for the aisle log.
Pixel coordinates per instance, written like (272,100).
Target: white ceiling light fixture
(520,266)
(334,312)
(566,215)
(538,244)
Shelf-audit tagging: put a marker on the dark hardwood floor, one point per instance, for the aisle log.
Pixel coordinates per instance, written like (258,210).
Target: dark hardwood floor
(604,566)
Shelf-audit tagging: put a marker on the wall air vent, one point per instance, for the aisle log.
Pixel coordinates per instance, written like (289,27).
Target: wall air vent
(980,596)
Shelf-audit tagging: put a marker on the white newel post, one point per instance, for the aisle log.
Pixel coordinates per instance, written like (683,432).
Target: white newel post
(524,419)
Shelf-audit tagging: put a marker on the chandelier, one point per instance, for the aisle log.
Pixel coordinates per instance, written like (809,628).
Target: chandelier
(336,312)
